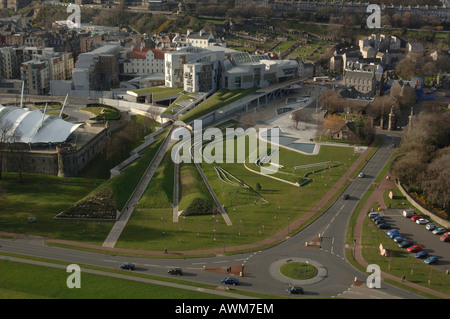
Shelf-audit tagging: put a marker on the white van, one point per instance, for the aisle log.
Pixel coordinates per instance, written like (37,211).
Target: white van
(408,213)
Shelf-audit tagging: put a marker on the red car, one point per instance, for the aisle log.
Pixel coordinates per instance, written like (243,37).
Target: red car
(414,248)
(416,217)
(447,94)
(445,236)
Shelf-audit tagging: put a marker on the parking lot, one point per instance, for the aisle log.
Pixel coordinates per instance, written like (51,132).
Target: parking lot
(419,235)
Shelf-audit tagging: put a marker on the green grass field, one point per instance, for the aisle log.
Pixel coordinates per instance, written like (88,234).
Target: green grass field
(27,281)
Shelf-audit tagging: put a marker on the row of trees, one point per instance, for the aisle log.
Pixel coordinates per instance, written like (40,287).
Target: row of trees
(422,161)
(422,65)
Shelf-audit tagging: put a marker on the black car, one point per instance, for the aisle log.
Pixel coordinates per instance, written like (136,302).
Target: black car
(345,196)
(405,244)
(128,266)
(175,271)
(384,226)
(295,290)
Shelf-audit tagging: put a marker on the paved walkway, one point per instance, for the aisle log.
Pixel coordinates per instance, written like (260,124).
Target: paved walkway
(120,224)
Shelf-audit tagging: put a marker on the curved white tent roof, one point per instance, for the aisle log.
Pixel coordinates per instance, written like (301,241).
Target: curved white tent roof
(27,126)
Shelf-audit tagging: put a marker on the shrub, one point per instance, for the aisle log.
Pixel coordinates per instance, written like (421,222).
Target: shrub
(199,206)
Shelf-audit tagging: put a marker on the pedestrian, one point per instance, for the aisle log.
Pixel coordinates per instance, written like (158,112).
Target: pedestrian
(165,250)
(403,278)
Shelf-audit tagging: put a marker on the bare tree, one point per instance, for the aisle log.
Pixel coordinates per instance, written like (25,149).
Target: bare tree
(298,116)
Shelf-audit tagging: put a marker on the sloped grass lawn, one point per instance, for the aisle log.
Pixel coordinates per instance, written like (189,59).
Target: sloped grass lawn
(192,186)
(26,281)
(124,184)
(43,197)
(218,100)
(159,92)
(400,263)
(159,192)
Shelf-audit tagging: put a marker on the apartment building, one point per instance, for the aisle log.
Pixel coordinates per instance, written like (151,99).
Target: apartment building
(98,69)
(143,61)
(36,76)
(9,68)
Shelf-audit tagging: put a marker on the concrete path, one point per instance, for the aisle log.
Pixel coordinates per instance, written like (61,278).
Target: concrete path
(118,227)
(176,191)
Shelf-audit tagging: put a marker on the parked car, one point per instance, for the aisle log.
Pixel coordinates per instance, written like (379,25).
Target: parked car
(421,254)
(128,266)
(373,214)
(175,271)
(374,218)
(399,239)
(345,196)
(422,221)
(379,221)
(431,260)
(445,237)
(361,175)
(392,231)
(384,226)
(405,244)
(430,226)
(295,290)
(230,281)
(408,213)
(395,235)
(416,217)
(439,231)
(414,248)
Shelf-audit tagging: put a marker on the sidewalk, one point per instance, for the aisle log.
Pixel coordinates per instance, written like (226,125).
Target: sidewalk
(377,197)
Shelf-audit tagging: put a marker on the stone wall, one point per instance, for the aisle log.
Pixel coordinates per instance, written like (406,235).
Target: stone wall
(444,223)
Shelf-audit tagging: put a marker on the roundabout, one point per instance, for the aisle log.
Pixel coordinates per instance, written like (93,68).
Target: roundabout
(275,271)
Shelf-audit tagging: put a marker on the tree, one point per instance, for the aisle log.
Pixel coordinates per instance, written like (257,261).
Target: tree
(297,117)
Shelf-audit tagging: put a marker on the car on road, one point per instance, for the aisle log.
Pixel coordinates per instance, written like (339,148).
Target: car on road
(431,260)
(405,244)
(175,271)
(447,94)
(445,237)
(295,290)
(230,281)
(430,226)
(361,175)
(416,218)
(439,231)
(421,254)
(422,221)
(414,248)
(345,196)
(128,266)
